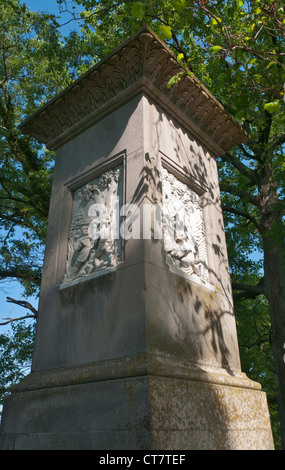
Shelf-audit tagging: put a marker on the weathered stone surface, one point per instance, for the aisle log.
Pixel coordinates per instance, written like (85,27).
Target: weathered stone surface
(167,407)
(111,414)
(202,416)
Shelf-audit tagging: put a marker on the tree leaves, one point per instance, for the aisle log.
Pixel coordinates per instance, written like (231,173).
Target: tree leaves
(16,350)
(215,49)
(138,10)
(215,21)
(175,79)
(272,107)
(178,5)
(164,32)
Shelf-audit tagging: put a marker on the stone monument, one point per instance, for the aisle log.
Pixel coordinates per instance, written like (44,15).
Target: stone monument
(136,344)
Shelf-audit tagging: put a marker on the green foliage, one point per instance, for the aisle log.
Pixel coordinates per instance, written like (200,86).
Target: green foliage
(16,348)
(253,326)
(272,107)
(164,32)
(138,10)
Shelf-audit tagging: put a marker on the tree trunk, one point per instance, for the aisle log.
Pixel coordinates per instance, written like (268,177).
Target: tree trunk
(274,279)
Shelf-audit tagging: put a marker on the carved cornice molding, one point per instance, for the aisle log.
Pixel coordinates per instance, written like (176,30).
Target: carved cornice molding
(141,64)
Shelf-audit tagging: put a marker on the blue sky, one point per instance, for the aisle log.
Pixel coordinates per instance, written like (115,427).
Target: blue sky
(51,6)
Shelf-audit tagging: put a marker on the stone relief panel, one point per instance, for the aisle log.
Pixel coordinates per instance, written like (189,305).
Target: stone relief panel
(183,228)
(94,244)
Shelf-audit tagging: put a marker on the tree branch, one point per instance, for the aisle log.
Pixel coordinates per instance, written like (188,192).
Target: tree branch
(20,273)
(16,319)
(229,157)
(248,291)
(246,153)
(22,303)
(275,141)
(244,195)
(262,340)
(246,215)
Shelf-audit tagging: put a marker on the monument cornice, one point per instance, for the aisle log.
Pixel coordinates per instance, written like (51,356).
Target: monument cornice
(143,64)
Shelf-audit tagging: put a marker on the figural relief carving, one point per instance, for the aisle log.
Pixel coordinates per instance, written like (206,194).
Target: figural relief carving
(183,227)
(93,242)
